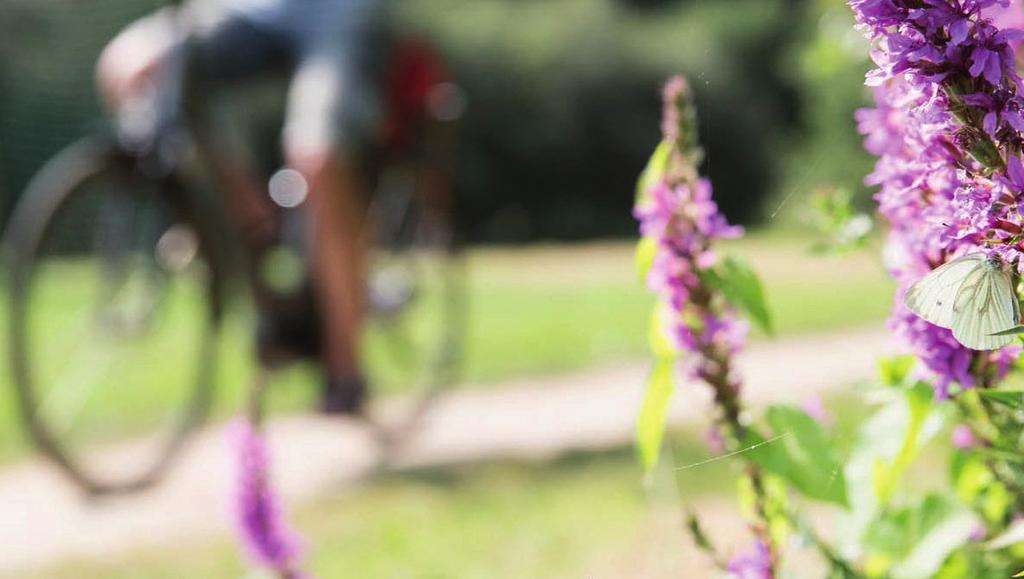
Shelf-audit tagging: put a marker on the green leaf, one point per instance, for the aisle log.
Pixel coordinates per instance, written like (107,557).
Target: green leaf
(920,538)
(661,346)
(970,475)
(1011,332)
(941,527)
(747,498)
(886,443)
(997,502)
(956,566)
(646,249)
(887,474)
(999,454)
(777,509)
(654,170)
(771,502)
(742,288)
(977,486)
(1019,574)
(941,539)
(895,369)
(802,454)
(650,424)
(1011,398)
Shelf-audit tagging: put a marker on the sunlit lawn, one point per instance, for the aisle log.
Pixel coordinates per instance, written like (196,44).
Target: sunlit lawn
(582,515)
(539,310)
(560,308)
(489,521)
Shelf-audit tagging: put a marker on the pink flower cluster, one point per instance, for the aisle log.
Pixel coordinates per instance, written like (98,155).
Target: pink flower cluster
(755,564)
(261,526)
(681,216)
(947,132)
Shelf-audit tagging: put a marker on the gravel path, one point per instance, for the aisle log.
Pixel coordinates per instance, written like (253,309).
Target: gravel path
(43,519)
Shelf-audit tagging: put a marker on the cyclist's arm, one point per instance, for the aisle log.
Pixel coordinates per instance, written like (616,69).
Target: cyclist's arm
(130,61)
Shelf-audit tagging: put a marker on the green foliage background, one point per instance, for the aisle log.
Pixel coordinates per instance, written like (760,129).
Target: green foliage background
(564,101)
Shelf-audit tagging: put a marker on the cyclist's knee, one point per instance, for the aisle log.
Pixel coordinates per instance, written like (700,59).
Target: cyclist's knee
(322,166)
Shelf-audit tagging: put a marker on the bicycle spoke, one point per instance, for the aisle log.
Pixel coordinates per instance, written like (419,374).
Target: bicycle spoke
(74,387)
(108,315)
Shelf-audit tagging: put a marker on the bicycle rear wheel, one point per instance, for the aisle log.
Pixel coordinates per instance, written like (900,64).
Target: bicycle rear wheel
(411,345)
(113,319)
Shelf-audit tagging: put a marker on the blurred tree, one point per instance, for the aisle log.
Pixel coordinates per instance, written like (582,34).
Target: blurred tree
(828,66)
(563,106)
(48,52)
(643,4)
(564,103)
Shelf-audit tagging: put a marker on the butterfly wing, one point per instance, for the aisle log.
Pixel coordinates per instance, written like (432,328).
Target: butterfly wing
(985,304)
(932,297)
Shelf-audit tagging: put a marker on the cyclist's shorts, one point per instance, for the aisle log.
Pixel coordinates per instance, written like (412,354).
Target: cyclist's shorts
(333,50)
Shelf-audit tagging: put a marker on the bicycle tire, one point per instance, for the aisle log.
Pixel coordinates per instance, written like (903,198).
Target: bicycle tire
(431,233)
(50,190)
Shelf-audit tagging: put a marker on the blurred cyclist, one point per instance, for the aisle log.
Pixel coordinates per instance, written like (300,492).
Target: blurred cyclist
(330,49)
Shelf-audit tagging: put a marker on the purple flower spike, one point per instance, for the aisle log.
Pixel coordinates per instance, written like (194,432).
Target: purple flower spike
(680,214)
(814,407)
(681,222)
(946,188)
(986,63)
(675,89)
(1014,178)
(756,564)
(715,440)
(261,526)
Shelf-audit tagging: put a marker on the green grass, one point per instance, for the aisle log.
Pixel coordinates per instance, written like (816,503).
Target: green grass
(560,308)
(575,516)
(489,521)
(580,515)
(532,311)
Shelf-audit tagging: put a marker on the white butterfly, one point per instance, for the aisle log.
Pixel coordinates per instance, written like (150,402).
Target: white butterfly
(973,295)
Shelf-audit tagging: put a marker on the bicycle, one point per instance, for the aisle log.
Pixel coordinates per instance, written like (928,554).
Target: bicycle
(126,222)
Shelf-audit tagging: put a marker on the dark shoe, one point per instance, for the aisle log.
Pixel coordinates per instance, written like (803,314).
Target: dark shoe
(344,395)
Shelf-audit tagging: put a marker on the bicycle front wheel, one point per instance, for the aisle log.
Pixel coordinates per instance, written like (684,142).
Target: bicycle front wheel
(112,329)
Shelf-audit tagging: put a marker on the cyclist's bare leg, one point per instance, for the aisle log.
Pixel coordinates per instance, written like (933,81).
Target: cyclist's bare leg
(254,214)
(337,216)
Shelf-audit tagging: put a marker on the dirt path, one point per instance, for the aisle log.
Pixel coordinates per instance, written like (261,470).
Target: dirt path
(43,519)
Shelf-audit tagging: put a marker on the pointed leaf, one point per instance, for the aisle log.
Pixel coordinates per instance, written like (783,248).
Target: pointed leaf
(742,288)
(654,170)
(803,455)
(920,403)
(1011,398)
(646,250)
(918,538)
(895,369)
(650,425)
(659,342)
(1011,536)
